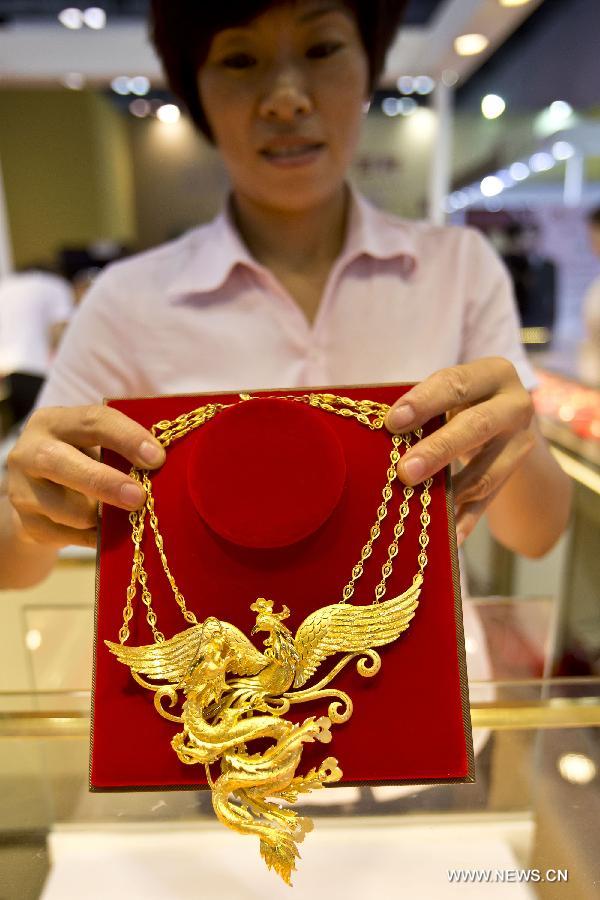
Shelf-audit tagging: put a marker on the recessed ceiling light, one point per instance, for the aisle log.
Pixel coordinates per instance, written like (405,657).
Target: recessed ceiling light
(71,17)
(140,108)
(492,106)
(563,150)
(491,186)
(519,171)
(94,17)
(391,106)
(511,3)
(120,85)
(139,85)
(424,84)
(168,113)
(406,84)
(560,109)
(470,44)
(75,81)
(449,77)
(541,162)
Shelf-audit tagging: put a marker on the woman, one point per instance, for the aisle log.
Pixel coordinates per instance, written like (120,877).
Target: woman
(298,282)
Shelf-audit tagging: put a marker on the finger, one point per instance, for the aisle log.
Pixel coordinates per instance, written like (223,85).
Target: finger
(44,531)
(101,426)
(57,503)
(450,388)
(464,433)
(65,465)
(489,469)
(92,452)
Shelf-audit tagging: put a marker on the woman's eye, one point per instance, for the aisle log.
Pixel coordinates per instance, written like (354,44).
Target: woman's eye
(239,61)
(323,50)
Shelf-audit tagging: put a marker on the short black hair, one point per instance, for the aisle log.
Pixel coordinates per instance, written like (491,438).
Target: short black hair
(594,217)
(182,32)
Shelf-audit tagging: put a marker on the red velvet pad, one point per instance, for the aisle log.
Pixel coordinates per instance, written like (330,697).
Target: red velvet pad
(275,499)
(287,472)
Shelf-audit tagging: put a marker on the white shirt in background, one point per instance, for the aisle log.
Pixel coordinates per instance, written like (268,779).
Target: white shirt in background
(31,303)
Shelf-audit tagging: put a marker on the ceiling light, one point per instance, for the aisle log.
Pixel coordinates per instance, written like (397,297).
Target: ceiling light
(406,84)
(560,109)
(541,162)
(505,177)
(511,3)
(140,108)
(577,768)
(491,186)
(470,44)
(94,18)
(168,113)
(120,85)
(492,106)
(562,150)
(75,81)
(424,84)
(391,106)
(71,18)
(449,77)
(519,171)
(408,106)
(139,85)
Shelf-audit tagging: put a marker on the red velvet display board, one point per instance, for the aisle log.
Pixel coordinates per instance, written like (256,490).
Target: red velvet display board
(275,499)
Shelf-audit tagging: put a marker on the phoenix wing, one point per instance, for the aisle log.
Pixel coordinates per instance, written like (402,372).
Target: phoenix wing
(172,660)
(345,628)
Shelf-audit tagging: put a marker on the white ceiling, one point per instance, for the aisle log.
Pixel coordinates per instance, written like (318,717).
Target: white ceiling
(43,53)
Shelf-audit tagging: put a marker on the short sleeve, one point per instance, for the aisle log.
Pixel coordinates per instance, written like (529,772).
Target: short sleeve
(491,325)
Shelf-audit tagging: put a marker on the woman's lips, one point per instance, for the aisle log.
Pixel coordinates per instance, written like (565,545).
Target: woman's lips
(291,155)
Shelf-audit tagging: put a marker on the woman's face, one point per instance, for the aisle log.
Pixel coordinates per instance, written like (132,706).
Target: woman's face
(284,97)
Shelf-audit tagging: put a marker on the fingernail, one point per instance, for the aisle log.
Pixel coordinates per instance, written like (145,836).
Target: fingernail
(151,453)
(401,416)
(132,495)
(414,468)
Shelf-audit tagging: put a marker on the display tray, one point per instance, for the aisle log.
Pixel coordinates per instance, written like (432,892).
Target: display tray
(275,499)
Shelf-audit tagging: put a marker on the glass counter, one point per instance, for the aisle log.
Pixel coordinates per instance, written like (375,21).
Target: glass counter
(530,820)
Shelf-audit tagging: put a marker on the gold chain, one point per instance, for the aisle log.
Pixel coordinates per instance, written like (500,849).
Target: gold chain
(366,412)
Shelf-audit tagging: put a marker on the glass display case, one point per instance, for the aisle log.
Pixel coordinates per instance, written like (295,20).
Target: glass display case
(529,820)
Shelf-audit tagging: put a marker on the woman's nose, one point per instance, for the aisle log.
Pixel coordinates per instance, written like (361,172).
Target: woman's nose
(286,98)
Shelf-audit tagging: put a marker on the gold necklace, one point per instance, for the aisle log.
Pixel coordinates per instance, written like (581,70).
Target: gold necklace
(235,693)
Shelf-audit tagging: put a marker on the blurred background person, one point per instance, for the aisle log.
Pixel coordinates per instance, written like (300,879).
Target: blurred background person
(35,306)
(590,349)
(533,276)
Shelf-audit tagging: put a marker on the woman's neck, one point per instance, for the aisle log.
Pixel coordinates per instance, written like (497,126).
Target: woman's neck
(307,241)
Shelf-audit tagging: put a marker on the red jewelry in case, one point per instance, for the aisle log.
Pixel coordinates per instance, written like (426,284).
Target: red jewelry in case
(276,499)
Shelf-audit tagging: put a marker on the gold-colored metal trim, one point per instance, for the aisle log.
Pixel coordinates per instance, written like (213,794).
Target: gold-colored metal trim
(579,712)
(580,472)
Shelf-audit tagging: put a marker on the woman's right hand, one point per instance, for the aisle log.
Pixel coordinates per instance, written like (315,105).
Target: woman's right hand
(55,479)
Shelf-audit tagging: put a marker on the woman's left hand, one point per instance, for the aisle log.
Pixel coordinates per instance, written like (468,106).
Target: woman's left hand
(488,430)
